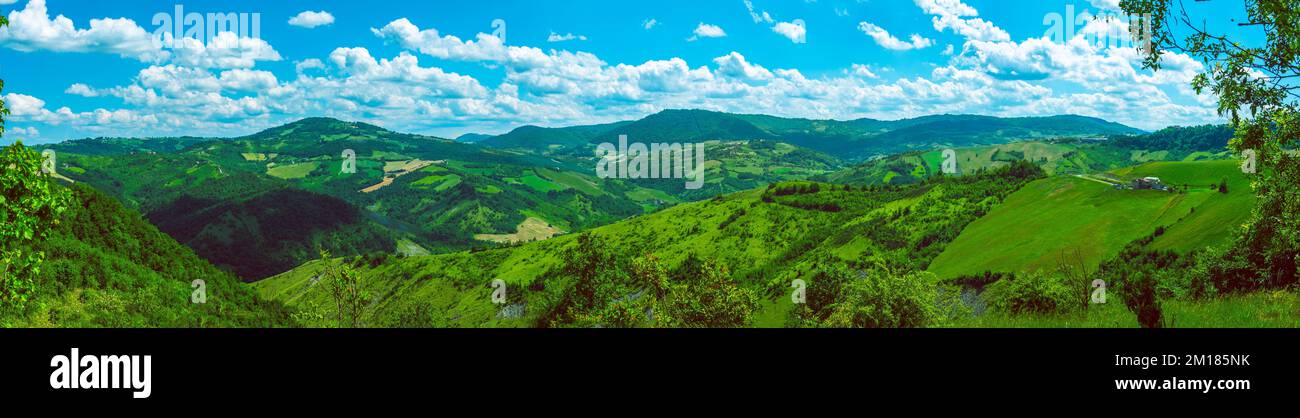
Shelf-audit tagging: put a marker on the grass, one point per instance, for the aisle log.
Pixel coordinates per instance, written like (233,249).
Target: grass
(572,180)
(531,229)
(540,184)
(1048,217)
(292,171)
(1276,309)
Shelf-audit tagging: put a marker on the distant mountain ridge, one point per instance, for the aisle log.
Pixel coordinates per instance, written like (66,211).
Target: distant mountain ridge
(850,140)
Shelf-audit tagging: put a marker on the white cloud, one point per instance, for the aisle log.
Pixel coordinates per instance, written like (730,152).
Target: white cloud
(649,24)
(558,87)
(1109,5)
(79,89)
(29,132)
(310,19)
(794,30)
(405,69)
(484,48)
(555,37)
(23,105)
(227,50)
(961,18)
(947,7)
(759,17)
(863,70)
(735,66)
(248,80)
(308,64)
(705,30)
(32,29)
(888,41)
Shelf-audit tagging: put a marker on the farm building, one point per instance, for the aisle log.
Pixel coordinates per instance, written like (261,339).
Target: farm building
(1149,183)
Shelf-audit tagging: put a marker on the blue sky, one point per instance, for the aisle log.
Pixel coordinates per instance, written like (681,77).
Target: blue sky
(78,68)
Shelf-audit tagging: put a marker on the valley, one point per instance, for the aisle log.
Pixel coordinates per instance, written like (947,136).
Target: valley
(429,222)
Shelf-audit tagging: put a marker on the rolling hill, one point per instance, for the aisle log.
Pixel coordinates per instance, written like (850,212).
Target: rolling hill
(1058,155)
(1050,218)
(270,231)
(846,140)
(425,194)
(766,237)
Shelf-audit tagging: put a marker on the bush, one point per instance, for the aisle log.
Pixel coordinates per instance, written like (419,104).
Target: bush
(1035,292)
(1138,289)
(880,298)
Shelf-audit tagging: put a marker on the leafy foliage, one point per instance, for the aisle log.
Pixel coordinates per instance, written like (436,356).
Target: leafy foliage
(30,206)
(1253,84)
(347,289)
(1032,293)
(878,297)
(605,291)
(107,267)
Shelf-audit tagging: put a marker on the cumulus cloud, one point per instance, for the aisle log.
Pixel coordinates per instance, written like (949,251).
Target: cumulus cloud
(961,19)
(888,41)
(428,41)
(735,66)
(32,29)
(247,80)
(21,131)
(310,19)
(79,89)
(227,50)
(649,24)
(794,30)
(23,105)
(705,30)
(559,87)
(308,64)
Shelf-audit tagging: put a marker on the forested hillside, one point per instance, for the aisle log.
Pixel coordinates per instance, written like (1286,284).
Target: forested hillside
(107,267)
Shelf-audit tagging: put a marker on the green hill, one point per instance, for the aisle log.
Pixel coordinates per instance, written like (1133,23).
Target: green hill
(846,140)
(1039,224)
(431,194)
(270,231)
(764,237)
(107,267)
(1065,155)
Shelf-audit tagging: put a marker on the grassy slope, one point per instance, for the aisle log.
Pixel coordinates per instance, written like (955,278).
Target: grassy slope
(1035,225)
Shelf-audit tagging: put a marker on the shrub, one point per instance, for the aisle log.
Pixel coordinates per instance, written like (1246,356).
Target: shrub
(1138,289)
(1034,292)
(880,298)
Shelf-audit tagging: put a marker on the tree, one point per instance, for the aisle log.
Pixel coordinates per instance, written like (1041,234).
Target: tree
(1074,267)
(701,295)
(30,205)
(1256,89)
(346,288)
